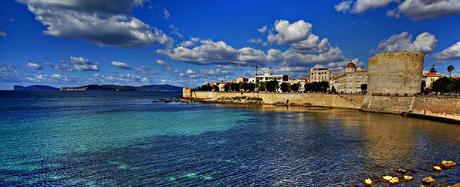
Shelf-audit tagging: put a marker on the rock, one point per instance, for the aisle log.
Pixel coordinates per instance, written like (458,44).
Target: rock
(394,180)
(408,178)
(456,185)
(386,178)
(448,164)
(402,171)
(437,168)
(428,181)
(368,182)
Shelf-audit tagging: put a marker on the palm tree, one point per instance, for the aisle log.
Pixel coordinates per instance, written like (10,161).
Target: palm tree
(450,69)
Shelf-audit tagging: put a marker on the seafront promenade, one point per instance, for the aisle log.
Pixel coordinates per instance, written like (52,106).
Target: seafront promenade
(431,107)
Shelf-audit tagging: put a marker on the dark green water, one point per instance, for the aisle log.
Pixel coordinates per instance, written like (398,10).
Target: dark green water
(121,139)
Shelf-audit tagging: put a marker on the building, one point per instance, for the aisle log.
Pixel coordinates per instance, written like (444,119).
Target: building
(319,74)
(396,73)
(267,76)
(350,81)
(430,77)
(240,80)
(300,81)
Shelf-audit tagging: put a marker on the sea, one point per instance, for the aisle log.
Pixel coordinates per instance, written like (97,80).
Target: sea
(125,139)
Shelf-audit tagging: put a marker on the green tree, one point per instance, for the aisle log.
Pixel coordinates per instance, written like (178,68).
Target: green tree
(364,88)
(251,86)
(235,87)
(262,86)
(284,87)
(215,88)
(295,87)
(450,69)
(227,87)
(443,85)
(272,86)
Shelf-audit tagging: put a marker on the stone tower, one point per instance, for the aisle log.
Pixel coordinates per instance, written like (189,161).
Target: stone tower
(396,73)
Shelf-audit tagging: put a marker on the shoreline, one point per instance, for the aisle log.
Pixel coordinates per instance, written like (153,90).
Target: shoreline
(439,109)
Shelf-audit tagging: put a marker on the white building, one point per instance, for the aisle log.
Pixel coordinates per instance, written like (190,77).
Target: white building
(350,81)
(430,77)
(319,74)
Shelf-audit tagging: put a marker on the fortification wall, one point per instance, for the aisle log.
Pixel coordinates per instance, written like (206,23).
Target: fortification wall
(447,108)
(395,73)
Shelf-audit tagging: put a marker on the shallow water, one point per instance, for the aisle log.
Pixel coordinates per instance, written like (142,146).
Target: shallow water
(122,139)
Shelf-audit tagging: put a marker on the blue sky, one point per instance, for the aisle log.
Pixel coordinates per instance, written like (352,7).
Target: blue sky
(187,43)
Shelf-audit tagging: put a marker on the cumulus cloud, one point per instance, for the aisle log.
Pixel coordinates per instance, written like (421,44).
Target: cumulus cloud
(2,34)
(424,9)
(424,42)
(83,64)
(304,48)
(451,53)
(286,33)
(414,9)
(105,22)
(121,65)
(34,66)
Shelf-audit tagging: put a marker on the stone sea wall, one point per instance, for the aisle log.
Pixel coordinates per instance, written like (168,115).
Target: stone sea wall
(443,108)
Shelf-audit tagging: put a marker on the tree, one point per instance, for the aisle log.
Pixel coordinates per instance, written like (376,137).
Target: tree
(450,69)
(272,86)
(443,85)
(364,88)
(295,87)
(235,87)
(227,87)
(262,86)
(251,87)
(215,88)
(205,87)
(284,87)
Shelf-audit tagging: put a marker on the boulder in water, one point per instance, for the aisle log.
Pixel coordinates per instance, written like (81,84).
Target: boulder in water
(429,181)
(437,168)
(394,180)
(408,178)
(368,182)
(448,164)
(386,178)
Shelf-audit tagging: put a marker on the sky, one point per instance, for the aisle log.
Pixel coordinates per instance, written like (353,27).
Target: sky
(188,43)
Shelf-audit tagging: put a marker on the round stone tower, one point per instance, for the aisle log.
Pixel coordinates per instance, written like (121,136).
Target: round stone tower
(395,73)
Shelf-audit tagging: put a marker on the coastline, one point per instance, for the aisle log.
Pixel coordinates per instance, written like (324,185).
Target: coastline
(441,109)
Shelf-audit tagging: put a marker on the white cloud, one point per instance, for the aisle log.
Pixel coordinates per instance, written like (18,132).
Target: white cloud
(451,53)
(2,34)
(425,42)
(343,6)
(414,9)
(102,22)
(286,33)
(304,49)
(424,9)
(262,29)
(34,66)
(83,64)
(121,65)
(166,14)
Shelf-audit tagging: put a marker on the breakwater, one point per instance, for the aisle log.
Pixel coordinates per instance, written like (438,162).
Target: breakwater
(439,108)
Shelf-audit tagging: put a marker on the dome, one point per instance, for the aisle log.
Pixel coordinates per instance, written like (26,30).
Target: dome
(351,65)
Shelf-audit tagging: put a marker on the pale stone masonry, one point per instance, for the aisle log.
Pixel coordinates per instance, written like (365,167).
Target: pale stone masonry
(398,73)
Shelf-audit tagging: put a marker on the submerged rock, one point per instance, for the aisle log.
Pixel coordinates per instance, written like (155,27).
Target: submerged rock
(386,178)
(437,168)
(402,171)
(448,164)
(408,178)
(368,182)
(429,181)
(394,180)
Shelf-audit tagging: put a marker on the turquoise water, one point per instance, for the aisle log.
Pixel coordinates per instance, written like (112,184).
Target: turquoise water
(111,138)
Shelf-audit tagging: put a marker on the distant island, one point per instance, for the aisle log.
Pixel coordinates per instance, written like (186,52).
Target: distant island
(93,87)
(35,88)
